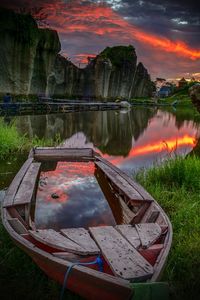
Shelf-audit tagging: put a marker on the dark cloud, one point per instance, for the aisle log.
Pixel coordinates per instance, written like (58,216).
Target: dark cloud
(171,18)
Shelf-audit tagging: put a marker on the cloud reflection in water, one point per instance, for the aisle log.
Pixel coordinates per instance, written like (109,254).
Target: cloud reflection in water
(70,196)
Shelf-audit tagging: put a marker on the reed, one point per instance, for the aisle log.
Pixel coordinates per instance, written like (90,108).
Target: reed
(10,139)
(12,142)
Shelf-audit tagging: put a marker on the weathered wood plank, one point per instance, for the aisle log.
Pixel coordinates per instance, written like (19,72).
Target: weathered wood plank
(130,234)
(67,256)
(127,214)
(141,212)
(145,195)
(13,213)
(62,153)
(121,212)
(82,237)
(161,220)
(27,187)
(56,240)
(148,215)
(17,226)
(119,181)
(148,233)
(12,190)
(151,253)
(123,258)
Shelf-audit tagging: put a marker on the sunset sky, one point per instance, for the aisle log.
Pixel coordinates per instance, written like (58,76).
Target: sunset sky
(166,34)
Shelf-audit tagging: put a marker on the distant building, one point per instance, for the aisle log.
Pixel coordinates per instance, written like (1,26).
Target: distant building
(165,91)
(182,83)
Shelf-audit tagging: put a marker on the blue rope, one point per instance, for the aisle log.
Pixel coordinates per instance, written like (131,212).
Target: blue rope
(97,261)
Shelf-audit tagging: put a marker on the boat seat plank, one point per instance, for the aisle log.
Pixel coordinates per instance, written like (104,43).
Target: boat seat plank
(12,190)
(62,153)
(17,226)
(129,233)
(121,183)
(148,233)
(28,185)
(123,258)
(82,237)
(56,240)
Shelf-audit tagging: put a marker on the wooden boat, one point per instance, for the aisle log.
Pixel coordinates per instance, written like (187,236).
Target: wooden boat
(135,250)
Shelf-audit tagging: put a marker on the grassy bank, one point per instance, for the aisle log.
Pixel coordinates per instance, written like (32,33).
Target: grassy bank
(176,186)
(12,142)
(176,100)
(180,99)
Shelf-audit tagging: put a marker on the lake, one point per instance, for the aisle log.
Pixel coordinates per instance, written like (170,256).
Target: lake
(131,140)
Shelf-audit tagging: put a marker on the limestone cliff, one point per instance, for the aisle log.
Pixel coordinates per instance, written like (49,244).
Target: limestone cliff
(27,54)
(30,63)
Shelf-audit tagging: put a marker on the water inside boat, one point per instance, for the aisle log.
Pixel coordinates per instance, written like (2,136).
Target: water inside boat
(69,195)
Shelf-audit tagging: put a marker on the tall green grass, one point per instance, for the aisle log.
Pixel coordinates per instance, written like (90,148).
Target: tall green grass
(11,141)
(176,187)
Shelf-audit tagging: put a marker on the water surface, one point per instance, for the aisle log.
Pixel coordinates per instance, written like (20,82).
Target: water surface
(69,196)
(131,140)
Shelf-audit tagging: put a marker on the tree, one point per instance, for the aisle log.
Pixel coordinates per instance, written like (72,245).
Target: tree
(38,14)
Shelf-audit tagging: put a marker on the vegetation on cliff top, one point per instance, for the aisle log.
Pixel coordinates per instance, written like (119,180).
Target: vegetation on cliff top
(23,26)
(176,187)
(119,54)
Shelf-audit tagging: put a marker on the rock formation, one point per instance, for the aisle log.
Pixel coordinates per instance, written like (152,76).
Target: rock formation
(30,63)
(27,54)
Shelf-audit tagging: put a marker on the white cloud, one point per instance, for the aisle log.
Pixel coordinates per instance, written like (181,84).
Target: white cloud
(179,21)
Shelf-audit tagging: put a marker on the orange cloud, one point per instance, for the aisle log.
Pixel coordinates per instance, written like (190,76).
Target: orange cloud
(60,180)
(100,19)
(171,144)
(83,58)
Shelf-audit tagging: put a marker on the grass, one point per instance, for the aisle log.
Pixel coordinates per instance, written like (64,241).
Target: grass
(182,100)
(180,96)
(176,186)
(11,142)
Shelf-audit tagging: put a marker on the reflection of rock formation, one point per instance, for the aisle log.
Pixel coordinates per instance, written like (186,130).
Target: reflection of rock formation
(111,132)
(30,64)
